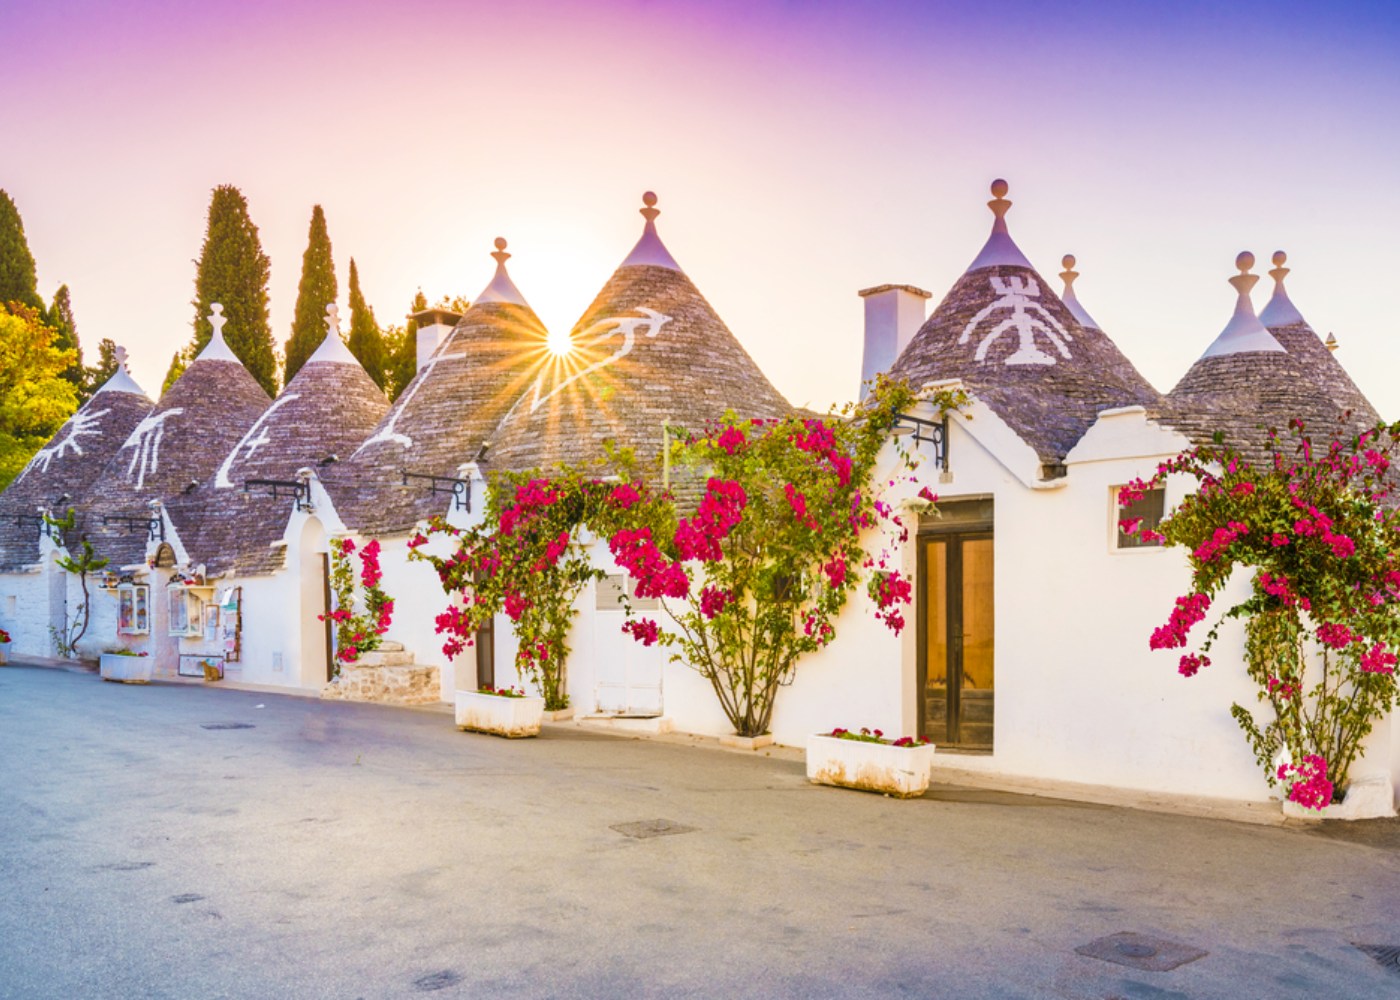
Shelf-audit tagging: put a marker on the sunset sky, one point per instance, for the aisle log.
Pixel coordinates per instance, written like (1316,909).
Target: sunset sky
(801,151)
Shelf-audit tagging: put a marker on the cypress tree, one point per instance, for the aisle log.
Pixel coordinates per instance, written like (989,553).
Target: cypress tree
(366,342)
(60,320)
(316,291)
(233,270)
(178,363)
(17,279)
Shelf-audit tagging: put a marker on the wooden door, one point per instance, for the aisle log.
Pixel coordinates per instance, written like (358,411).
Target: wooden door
(957,668)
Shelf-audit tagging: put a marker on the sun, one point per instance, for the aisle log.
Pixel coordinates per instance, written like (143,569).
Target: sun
(560,344)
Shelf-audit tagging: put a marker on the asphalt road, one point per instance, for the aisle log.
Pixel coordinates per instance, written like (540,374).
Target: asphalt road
(341,850)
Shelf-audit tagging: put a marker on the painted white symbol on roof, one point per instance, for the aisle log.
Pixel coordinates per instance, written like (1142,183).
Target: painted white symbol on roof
(83,424)
(248,444)
(1027,318)
(390,430)
(593,337)
(146,440)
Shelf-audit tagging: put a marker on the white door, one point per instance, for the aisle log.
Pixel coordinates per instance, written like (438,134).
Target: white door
(628,673)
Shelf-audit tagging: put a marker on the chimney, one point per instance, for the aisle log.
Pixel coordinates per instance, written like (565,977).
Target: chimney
(433,327)
(893,314)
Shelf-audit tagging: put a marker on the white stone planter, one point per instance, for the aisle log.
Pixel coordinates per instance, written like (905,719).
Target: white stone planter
(4,653)
(498,715)
(873,767)
(1367,798)
(126,669)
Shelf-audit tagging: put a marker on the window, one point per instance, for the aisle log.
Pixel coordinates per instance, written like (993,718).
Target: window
(186,613)
(1147,512)
(133,617)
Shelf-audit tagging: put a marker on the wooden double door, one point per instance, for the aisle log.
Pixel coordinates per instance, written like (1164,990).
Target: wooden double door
(957,656)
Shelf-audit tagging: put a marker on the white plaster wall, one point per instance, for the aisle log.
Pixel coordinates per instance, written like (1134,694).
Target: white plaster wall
(24,612)
(418,600)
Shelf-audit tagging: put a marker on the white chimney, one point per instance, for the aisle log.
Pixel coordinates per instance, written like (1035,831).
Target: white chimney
(893,314)
(433,327)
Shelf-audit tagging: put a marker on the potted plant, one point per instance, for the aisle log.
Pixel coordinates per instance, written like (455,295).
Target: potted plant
(4,644)
(126,666)
(867,761)
(500,711)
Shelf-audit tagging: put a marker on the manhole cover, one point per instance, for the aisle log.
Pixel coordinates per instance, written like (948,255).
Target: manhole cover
(434,981)
(226,725)
(646,828)
(186,897)
(1388,955)
(1138,951)
(126,866)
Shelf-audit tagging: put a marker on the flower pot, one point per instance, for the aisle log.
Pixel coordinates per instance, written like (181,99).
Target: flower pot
(4,653)
(1371,797)
(125,669)
(499,715)
(873,767)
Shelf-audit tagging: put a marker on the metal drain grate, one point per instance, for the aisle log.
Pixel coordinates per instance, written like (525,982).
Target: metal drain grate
(1138,951)
(647,828)
(435,981)
(1387,955)
(226,725)
(186,897)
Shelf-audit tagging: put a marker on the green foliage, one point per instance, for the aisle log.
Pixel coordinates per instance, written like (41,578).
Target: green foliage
(1319,530)
(232,270)
(17,277)
(35,399)
(179,361)
(60,319)
(316,291)
(357,633)
(96,376)
(366,342)
(80,563)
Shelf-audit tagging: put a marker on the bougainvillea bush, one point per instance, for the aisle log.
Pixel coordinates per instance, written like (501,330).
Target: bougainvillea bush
(752,563)
(1320,531)
(357,632)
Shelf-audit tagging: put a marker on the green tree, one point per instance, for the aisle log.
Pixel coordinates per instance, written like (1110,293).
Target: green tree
(96,376)
(35,399)
(366,342)
(17,279)
(60,320)
(179,361)
(316,291)
(401,347)
(233,270)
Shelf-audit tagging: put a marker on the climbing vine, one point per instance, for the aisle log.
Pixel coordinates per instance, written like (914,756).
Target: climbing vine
(357,632)
(1321,532)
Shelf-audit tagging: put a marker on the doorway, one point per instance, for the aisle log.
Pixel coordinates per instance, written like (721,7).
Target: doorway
(956,639)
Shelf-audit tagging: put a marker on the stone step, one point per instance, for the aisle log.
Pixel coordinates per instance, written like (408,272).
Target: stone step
(385,658)
(388,646)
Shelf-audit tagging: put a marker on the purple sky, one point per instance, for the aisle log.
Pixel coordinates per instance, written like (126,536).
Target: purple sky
(802,151)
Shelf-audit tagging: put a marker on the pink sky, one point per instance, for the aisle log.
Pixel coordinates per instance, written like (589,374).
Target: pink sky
(801,151)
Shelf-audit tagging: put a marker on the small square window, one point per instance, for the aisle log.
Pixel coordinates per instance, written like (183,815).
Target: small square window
(1148,512)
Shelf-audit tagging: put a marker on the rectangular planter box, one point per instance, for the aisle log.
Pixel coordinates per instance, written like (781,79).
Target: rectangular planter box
(126,669)
(500,716)
(873,767)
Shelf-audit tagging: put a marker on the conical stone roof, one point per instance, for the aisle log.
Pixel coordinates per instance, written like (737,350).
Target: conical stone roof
(1019,349)
(1247,382)
(322,415)
(446,413)
(180,442)
(1298,338)
(61,474)
(648,350)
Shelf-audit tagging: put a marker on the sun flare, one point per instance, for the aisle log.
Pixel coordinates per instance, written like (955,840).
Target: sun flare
(560,344)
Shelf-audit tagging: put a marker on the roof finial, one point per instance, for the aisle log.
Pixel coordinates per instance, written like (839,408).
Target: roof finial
(999,204)
(1279,310)
(649,249)
(332,319)
(501,288)
(121,380)
(1071,300)
(217,319)
(1332,344)
(119,355)
(1000,249)
(1279,272)
(1244,333)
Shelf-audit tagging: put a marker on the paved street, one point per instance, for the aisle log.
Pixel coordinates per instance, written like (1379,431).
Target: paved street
(342,850)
